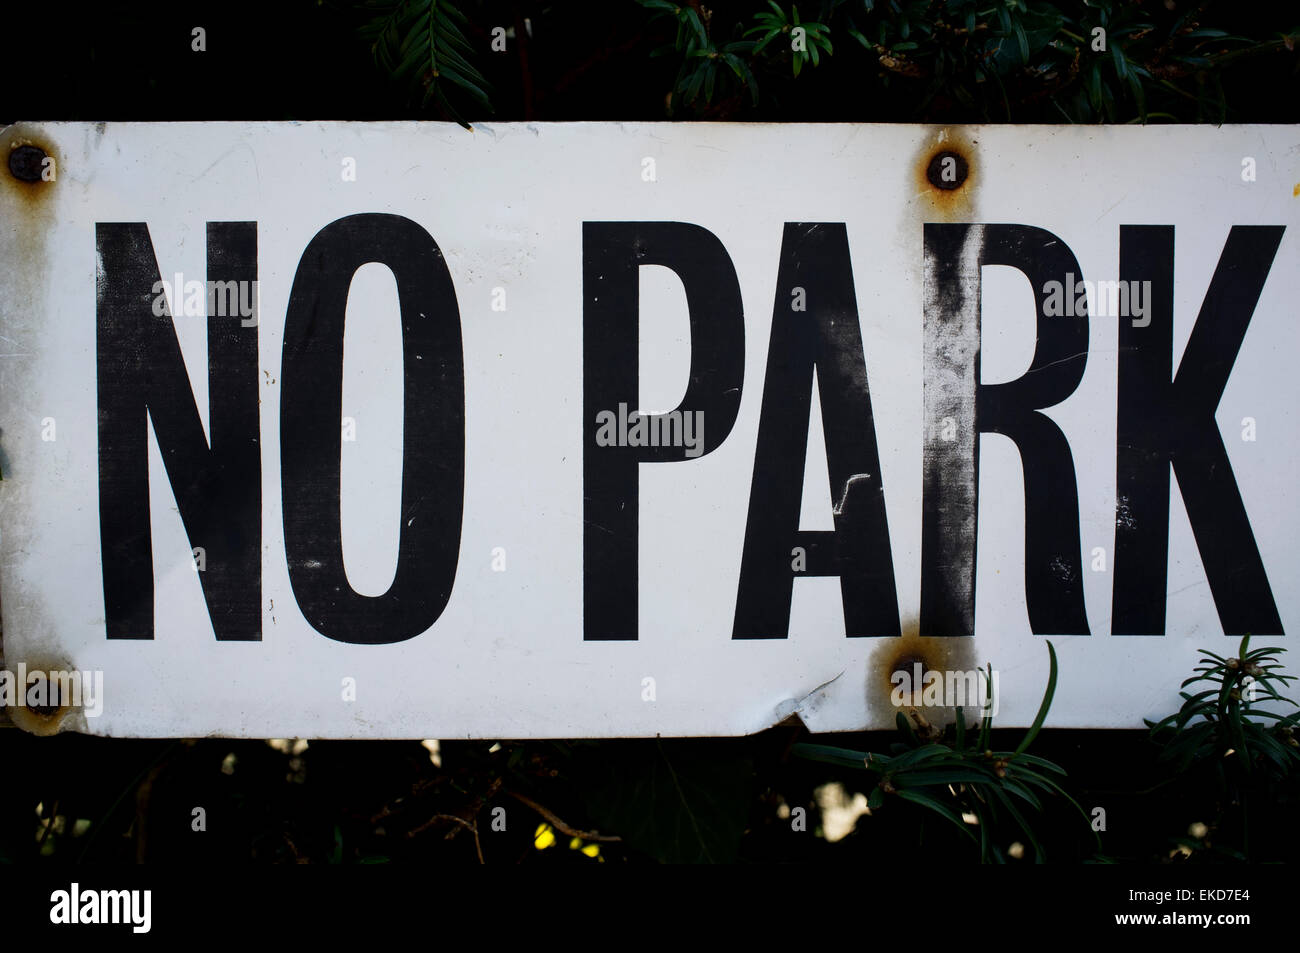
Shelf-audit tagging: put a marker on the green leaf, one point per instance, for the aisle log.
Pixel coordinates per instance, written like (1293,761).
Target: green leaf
(904,725)
(765,40)
(449,55)
(463,82)
(916,755)
(748,77)
(694,19)
(1257,653)
(435,92)
(830,755)
(1037,761)
(1121,61)
(1023,793)
(1046,704)
(1094,87)
(1023,824)
(986,728)
(414,55)
(916,797)
(692,89)
(936,777)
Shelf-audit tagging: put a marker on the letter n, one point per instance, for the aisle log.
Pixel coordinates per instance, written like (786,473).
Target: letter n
(217,482)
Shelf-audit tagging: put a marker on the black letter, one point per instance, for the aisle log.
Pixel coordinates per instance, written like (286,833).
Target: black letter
(612,255)
(815,258)
(433,444)
(141,377)
(958,408)
(1161,423)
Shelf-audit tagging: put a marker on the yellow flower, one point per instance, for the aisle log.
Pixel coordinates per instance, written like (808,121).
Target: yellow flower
(543,837)
(591,850)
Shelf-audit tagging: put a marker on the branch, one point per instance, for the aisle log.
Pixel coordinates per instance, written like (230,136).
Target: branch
(557,823)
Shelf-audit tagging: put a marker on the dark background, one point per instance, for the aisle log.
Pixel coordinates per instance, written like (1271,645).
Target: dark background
(586,60)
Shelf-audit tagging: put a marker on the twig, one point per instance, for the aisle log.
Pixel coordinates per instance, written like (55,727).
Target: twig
(471,827)
(440,817)
(559,824)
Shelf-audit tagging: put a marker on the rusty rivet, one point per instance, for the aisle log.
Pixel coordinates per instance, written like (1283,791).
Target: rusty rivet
(905,663)
(947,170)
(26,163)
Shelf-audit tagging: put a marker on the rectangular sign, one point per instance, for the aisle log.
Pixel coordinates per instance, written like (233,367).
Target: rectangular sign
(400,430)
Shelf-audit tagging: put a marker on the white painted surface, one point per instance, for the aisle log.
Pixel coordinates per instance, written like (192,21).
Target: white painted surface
(506,205)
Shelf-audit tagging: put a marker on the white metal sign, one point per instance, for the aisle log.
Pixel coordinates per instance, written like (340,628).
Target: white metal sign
(399,430)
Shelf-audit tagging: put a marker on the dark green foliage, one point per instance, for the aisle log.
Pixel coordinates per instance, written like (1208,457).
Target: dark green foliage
(1236,756)
(891,60)
(975,788)
(422,43)
(1011,60)
(705,66)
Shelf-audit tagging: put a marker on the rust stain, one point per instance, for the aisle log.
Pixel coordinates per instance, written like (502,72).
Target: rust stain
(901,654)
(945,175)
(1296,190)
(30,193)
(24,150)
(58,714)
